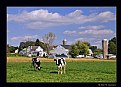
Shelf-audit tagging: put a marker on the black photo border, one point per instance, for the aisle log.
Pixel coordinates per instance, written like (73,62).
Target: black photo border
(52,3)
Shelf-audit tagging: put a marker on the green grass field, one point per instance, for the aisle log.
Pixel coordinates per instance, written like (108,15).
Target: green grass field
(89,71)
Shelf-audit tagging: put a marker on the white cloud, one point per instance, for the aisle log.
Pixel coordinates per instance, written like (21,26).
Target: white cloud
(96,32)
(43,19)
(85,39)
(106,16)
(89,32)
(92,27)
(25,38)
(76,13)
(70,32)
(92,34)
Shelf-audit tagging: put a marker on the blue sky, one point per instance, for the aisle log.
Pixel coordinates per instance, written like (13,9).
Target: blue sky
(90,24)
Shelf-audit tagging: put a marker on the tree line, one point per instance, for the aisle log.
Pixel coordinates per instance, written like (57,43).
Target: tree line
(79,48)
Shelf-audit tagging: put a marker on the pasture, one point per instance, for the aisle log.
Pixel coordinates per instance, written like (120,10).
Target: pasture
(76,71)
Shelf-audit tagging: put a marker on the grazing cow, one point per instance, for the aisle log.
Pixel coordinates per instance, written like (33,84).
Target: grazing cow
(61,65)
(36,63)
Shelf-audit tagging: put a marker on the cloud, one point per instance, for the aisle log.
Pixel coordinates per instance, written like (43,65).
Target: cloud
(25,38)
(92,27)
(85,39)
(38,19)
(92,34)
(76,13)
(96,32)
(67,32)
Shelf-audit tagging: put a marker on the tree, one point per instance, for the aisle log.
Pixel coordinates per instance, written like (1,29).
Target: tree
(43,46)
(112,46)
(26,44)
(22,45)
(87,43)
(37,43)
(12,49)
(98,51)
(93,48)
(29,43)
(48,40)
(84,49)
(79,48)
(73,51)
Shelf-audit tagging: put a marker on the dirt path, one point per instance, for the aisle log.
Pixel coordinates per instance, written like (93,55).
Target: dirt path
(20,59)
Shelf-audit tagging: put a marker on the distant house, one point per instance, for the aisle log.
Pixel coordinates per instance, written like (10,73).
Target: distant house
(60,51)
(90,52)
(32,51)
(16,51)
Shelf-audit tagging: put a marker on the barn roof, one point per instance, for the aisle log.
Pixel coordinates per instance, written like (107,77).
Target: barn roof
(66,46)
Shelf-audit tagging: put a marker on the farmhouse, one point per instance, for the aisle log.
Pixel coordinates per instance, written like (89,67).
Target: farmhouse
(32,51)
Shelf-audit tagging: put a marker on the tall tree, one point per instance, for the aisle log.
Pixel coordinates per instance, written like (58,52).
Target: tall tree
(37,43)
(84,49)
(87,43)
(74,51)
(79,48)
(48,40)
(112,46)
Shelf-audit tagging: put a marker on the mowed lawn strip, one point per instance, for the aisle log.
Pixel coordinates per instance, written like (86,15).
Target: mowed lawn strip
(86,71)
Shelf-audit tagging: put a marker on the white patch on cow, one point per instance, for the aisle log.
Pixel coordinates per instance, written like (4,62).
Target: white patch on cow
(38,60)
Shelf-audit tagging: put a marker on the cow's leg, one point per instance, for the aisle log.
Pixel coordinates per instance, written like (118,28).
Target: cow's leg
(38,65)
(35,66)
(61,70)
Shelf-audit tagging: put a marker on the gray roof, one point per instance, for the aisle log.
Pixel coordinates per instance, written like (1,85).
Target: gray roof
(34,48)
(66,46)
(62,55)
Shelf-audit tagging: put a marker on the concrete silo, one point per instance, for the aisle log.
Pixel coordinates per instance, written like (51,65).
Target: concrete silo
(105,48)
(64,42)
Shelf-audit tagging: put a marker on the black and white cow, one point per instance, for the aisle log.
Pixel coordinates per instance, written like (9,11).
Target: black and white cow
(36,63)
(61,64)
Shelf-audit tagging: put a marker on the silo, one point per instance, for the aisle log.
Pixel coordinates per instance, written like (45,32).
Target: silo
(64,42)
(105,48)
